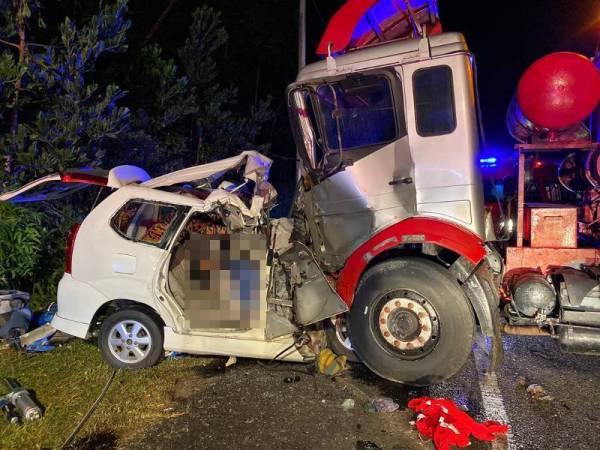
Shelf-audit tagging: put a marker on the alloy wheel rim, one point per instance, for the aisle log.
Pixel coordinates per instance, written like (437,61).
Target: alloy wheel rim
(129,341)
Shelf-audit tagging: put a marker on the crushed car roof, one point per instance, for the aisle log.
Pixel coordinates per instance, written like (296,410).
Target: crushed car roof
(255,165)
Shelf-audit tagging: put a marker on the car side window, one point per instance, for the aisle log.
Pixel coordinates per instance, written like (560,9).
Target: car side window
(434,101)
(146,222)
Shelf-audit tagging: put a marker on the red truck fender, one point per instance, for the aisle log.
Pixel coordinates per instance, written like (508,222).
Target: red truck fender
(413,230)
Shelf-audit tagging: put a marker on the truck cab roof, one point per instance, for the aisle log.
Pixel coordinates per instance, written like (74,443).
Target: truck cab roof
(385,54)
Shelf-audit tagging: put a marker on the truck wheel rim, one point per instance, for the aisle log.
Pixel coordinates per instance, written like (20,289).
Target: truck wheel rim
(129,341)
(407,324)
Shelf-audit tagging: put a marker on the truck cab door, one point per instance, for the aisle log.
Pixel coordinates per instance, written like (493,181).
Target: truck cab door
(353,133)
(442,127)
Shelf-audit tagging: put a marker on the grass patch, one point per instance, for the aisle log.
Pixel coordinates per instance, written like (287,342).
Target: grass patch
(67,380)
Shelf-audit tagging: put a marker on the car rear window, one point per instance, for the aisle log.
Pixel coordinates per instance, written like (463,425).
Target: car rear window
(146,222)
(434,101)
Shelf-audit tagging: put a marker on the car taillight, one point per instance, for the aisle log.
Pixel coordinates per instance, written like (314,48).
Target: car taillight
(70,247)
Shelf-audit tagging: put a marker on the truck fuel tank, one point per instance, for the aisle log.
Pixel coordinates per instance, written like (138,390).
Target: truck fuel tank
(532,293)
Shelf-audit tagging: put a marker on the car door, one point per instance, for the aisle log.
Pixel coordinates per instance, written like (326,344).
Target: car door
(214,280)
(120,245)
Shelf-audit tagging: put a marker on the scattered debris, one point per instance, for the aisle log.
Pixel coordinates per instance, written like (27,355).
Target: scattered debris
(366,445)
(174,355)
(348,404)
(385,404)
(40,346)
(45,317)
(291,379)
(331,364)
(382,404)
(522,381)
(15,314)
(443,422)
(231,361)
(18,404)
(537,392)
(369,408)
(43,332)
(42,338)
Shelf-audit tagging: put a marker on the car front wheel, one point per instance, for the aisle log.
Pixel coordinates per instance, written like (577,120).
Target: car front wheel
(131,339)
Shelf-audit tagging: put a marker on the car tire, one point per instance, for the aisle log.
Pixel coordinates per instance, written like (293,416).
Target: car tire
(411,322)
(131,339)
(335,329)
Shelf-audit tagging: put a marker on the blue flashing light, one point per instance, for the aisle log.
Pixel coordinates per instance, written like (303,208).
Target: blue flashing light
(487,162)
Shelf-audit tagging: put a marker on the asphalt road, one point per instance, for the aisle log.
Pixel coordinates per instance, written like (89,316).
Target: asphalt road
(250,406)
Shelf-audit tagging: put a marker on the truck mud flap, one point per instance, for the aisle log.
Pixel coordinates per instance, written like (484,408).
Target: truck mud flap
(481,291)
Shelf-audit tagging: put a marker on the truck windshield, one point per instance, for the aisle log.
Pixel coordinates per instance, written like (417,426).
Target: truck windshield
(357,112)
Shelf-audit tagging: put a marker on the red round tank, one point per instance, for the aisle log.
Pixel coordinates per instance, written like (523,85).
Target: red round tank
(559,90)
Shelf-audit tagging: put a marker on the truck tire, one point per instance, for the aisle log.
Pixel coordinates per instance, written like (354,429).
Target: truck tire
(131,339)
(411,322)
(337,339)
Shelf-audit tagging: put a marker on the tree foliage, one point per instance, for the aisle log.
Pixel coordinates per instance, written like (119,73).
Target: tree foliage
(183,114)
(64,119)
(22,238)
(74,93)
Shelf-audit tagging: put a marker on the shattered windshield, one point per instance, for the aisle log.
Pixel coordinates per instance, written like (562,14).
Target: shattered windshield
(357,112)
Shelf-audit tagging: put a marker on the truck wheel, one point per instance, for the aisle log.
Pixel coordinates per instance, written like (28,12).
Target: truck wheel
(411,322)
(131,339)
(338,339)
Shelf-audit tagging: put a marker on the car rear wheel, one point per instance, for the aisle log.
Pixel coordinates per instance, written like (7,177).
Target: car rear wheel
(131,339)
(411,322)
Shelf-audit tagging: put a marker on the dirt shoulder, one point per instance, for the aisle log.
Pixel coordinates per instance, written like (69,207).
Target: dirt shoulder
(250,406)
(192,403)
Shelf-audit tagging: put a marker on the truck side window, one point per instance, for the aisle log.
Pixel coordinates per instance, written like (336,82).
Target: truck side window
(143,221)
(434,101)
(357,112)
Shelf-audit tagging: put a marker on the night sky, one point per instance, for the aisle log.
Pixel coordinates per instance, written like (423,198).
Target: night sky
(505,36)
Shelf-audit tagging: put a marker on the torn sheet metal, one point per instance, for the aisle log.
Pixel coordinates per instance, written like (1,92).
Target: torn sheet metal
(257,168)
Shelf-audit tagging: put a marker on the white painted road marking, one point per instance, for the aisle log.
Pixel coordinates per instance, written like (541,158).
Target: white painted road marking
(491,396)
